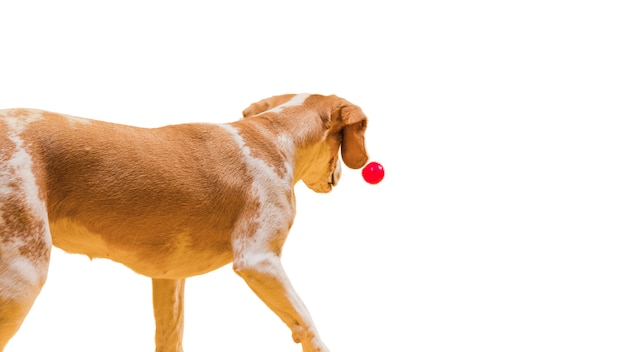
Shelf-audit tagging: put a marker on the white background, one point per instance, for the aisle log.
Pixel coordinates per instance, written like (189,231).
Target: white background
(500,225)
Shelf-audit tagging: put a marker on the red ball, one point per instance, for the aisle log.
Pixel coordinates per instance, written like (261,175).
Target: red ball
(373,173)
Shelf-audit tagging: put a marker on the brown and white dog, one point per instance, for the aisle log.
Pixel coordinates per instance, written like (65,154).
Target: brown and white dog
(169,202)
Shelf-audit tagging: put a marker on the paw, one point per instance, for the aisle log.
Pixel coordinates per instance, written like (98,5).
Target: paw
(297,333)
(314,344)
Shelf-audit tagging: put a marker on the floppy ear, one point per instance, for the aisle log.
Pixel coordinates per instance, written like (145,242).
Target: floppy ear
(256,108)
(266,104)
(353,150)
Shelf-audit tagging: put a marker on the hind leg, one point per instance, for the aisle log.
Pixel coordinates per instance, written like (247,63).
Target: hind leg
(25,240)
(21,279)
(25,246)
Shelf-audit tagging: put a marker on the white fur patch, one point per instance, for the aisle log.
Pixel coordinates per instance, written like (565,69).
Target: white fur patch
(296,100)
(20,272)
(289,148)
(273,214)
(20,276)
(21,163)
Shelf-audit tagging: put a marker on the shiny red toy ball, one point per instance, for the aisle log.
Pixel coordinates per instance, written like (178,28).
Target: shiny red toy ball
(373,173)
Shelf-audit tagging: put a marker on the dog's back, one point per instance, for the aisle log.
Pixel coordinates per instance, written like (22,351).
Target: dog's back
(149,198)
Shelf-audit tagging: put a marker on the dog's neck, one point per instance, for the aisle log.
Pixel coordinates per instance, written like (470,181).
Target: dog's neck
(278,137)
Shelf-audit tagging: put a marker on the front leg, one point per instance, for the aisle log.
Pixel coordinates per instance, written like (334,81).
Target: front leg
(168,302)
(265,275)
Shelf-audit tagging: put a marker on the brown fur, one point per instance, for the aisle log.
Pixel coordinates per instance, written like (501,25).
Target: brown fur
(170,202)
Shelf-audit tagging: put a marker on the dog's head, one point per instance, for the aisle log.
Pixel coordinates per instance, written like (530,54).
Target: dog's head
(322,127)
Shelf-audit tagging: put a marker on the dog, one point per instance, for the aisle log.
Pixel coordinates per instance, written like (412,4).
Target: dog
(169,202)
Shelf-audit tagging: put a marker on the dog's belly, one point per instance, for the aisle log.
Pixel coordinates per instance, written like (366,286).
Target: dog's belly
(171,260)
